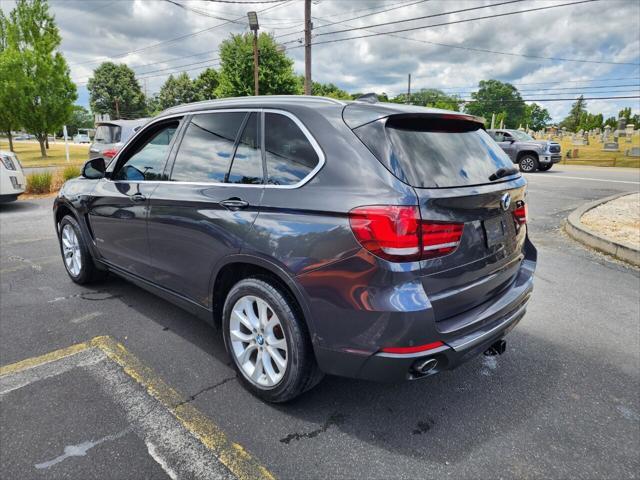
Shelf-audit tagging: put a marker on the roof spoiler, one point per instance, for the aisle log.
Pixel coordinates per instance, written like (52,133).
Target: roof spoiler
(368,98)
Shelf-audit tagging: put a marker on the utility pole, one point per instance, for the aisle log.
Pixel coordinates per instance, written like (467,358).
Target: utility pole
(307,47)
(253,24)
(409,90)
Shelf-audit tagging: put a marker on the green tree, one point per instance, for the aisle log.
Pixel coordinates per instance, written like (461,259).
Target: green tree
(536,116)
(494,96)
(329,90)
(612,122)
(431,97)
(578,109)
(275,76)
(176,91)
(80,118)
(206,84)
(46,93)
(11,95)
(114,90)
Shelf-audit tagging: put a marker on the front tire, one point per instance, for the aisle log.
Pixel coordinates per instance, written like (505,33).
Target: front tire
(528,163)
(267,340)
(76,256)
(545,166)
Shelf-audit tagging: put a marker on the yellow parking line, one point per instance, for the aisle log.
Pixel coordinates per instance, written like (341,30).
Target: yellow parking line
(42,359)
(230,454)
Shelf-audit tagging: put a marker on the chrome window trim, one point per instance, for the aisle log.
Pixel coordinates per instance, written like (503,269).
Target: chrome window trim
(296,120)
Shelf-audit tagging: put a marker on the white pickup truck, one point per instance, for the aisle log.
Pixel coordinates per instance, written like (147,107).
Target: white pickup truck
(12,181)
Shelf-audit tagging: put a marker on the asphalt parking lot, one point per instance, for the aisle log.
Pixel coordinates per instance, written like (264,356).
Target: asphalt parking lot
(154,396)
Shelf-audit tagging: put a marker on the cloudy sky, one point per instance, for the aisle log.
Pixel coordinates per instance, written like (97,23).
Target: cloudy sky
(158,37)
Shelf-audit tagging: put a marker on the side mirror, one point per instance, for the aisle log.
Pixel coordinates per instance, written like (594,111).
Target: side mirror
(94,168)
(512,140)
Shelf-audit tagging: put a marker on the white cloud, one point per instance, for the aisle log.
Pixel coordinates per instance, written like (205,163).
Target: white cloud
(600,31)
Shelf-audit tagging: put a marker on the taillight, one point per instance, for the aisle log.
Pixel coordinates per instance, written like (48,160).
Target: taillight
(440,239)
(110,153)
(397,233)
(521,213)
(390,232)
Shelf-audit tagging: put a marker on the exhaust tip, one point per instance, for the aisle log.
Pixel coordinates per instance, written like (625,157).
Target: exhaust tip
(424,367)
(498,348)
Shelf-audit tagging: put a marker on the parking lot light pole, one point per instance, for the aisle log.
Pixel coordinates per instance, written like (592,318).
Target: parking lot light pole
(253,24)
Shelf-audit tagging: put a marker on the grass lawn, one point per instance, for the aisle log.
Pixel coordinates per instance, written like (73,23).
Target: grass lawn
(29,154)
(592,154)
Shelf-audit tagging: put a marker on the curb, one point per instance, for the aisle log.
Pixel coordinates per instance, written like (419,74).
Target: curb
(583,234)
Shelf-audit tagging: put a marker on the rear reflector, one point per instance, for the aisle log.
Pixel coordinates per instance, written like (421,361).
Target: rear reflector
(398,233)
(416,349)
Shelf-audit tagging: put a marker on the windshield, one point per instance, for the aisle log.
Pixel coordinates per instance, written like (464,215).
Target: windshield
(521,136)
(434,153)
(107,134)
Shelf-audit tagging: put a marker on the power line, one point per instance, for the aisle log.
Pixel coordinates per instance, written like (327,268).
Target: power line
(358,17)
(182,37)
(246,2)
(424,17)
(588,80)
(457,22)
(215,51)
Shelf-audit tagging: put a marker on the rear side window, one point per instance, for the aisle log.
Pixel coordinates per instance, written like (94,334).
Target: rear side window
(434,153)
(290,157)
(207,147)
(107,134)
(246,166)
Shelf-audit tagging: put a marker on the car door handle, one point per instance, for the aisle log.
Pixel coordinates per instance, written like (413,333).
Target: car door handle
(138,197)
(234,203)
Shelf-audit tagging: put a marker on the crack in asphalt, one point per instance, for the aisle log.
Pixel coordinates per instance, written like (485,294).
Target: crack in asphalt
(334,419)
(191,398)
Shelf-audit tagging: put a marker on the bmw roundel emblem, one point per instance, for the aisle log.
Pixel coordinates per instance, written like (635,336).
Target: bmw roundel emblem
(505,201)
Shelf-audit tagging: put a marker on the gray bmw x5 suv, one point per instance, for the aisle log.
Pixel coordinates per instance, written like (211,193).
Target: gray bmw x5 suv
(363,239)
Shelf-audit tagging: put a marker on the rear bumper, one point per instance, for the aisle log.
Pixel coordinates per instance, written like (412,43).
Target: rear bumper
(464,336)
(388,367)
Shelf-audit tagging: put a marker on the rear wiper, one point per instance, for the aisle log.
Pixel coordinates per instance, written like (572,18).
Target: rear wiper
(503,172)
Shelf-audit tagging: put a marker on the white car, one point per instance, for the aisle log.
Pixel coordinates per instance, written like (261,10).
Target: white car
(12,181)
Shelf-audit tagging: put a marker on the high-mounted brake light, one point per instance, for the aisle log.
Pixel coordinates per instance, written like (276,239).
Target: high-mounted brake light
(110,153)
(521,213)
(398,233)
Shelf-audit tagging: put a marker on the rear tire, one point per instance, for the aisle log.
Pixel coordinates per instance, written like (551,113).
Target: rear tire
(528,163)
(76,256)
(545,166)
(267,340)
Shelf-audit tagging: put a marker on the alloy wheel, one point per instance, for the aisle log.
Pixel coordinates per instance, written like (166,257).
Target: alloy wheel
(258,341)
(527,164)
(71,250)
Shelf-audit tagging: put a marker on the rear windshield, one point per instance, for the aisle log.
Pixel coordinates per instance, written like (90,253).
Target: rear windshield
(428,152)
(107,134)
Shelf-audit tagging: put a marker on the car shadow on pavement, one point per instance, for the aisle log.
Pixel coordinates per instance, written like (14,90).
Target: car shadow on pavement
(18,206)
(442,419)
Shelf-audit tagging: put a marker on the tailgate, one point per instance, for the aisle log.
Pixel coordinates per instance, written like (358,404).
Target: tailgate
(490,250)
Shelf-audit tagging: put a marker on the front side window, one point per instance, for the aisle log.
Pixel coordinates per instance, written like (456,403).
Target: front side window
(290,157)
(207,147)
(147,162)
(246,166)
